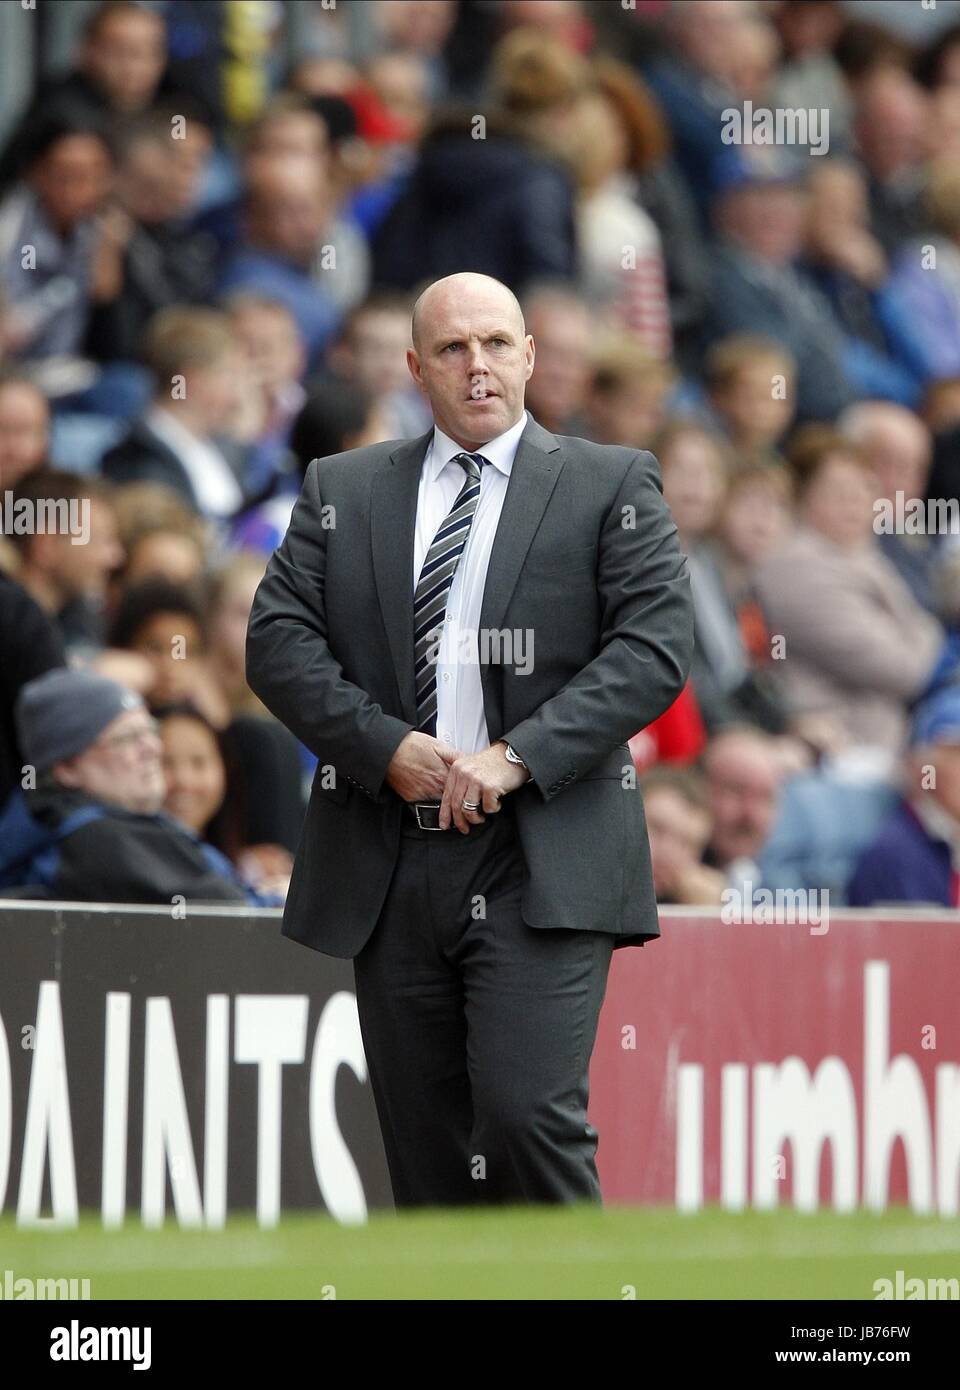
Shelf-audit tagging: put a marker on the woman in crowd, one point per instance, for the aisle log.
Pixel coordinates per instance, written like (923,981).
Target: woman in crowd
(856,646)
(208,793)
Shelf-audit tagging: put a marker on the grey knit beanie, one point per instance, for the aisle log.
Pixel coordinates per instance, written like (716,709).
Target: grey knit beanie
(60,713)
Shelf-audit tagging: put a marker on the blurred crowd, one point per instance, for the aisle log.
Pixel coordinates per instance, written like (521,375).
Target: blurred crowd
(213,226)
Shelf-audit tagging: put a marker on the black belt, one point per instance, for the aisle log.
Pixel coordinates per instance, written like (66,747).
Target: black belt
(427,815)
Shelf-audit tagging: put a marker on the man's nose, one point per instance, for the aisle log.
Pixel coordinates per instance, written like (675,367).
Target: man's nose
(477,363)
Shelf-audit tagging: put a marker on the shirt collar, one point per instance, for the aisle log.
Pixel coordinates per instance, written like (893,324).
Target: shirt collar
(171,430)
(500,451)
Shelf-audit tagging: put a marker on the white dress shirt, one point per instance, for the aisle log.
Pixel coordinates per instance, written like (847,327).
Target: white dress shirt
(213,480)
(460,717)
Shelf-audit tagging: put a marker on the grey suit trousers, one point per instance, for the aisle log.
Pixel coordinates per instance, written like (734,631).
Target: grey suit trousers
(478,1029)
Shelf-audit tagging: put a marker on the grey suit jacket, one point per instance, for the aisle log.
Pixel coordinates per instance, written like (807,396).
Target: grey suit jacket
(586,562)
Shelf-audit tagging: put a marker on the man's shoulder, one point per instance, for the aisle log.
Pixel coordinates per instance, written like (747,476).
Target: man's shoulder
(615,459)
(577,452)
(360,463)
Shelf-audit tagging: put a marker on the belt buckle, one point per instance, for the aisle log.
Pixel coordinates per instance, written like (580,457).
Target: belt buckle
(419,806)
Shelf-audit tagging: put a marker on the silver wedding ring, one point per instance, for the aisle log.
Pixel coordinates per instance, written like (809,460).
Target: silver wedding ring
(470,805)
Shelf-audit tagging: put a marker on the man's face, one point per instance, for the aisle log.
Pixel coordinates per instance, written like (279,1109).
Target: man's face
(630,414)
(472,360)
(752,407)
(289,208)
(421,26)
(272,341)
(693,483)
(126,58)
(891,122)
(73,179)
(24,426)
(706,30)
(376,347)
(123,766)
(743,784)
(899,449)
(143,183)
(562,335)
(82,571)
(218,387)
(767,220)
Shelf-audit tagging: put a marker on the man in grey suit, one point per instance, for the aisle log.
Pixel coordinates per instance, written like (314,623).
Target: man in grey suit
(466,628)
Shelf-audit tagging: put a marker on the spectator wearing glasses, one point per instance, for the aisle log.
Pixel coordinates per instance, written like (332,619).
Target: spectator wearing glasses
(92,829)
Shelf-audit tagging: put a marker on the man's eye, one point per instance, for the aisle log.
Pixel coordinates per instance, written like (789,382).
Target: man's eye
(499,342)
(452,345)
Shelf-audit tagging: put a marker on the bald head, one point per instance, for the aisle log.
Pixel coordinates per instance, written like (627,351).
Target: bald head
(896,441)
(471,356)
(439,300)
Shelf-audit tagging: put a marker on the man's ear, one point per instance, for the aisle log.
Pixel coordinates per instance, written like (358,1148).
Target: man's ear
(67,773)
(413,366)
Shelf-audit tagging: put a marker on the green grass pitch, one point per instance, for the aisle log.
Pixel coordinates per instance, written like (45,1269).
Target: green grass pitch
(522,1253)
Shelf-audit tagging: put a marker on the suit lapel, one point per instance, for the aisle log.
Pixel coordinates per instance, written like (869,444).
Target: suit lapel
(533,477)
(393,515)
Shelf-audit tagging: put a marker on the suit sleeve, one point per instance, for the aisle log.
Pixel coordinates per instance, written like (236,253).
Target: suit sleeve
(290,665)
(646,641)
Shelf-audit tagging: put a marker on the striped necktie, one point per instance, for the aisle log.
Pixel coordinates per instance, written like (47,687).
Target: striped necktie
(433,589)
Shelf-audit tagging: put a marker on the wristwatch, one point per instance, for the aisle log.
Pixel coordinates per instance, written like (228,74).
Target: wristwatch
(513,757)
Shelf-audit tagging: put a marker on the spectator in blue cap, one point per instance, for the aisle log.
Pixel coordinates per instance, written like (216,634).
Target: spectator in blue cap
(915,857)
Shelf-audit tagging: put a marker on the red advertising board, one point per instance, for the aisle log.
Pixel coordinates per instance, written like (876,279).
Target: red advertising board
(756,1065)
